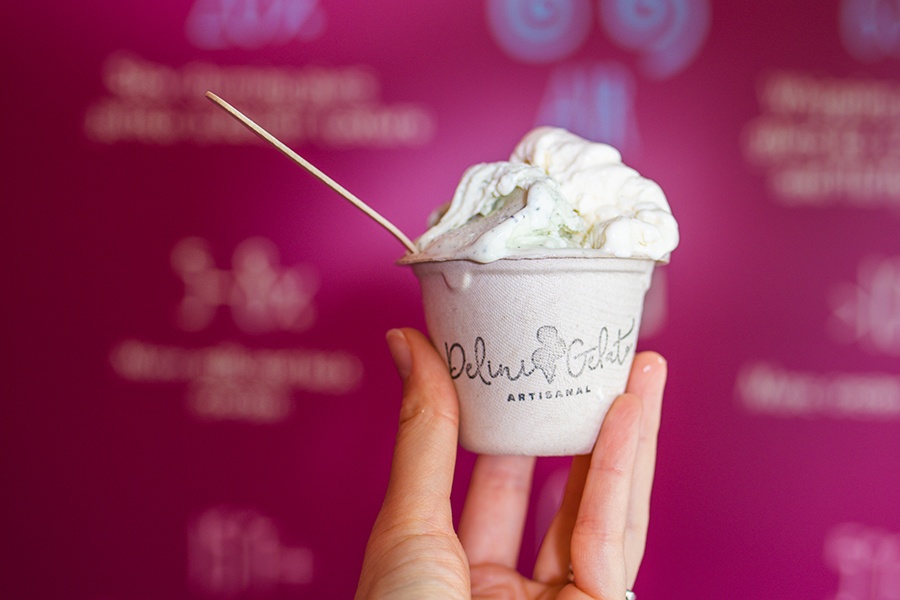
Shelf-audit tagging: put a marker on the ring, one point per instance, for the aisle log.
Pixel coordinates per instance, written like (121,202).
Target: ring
(629,595)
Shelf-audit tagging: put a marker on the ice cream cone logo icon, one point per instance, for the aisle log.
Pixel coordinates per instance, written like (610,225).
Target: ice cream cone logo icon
(552,349)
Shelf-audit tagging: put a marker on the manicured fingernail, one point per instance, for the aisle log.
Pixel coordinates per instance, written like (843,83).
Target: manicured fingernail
(660,361)
(400,352)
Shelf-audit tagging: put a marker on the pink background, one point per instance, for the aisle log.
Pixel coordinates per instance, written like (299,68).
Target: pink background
(240,449)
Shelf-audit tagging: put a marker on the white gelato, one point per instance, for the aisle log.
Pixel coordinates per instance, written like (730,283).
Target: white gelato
(558,195)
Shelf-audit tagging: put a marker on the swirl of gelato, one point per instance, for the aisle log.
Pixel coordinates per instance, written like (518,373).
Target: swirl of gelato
(558,195)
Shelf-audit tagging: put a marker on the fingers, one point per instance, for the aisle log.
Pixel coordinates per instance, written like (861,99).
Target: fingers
(553,560)
(491,524)
(598,538)
(425,450)
(648,378)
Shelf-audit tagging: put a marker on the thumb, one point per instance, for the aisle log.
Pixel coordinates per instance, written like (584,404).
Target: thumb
(425,450)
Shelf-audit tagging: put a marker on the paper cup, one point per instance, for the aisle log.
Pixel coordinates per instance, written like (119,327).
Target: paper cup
(538,348)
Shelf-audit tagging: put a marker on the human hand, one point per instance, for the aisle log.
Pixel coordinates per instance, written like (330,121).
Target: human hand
(600,529)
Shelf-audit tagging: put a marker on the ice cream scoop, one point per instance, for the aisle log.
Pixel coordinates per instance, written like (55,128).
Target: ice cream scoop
(558,195)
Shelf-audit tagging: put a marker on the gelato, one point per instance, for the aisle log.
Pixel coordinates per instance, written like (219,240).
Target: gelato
(557,196)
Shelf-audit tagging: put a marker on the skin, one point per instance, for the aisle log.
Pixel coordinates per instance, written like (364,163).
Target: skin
(600,529)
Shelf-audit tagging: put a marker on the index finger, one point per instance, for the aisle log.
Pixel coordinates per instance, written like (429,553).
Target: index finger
(598,538)
(647,380)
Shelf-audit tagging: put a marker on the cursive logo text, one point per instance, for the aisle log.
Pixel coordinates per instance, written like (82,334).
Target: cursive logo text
(553,356)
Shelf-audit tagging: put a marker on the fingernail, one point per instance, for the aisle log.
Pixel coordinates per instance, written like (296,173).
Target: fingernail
(400,352)
(660,361)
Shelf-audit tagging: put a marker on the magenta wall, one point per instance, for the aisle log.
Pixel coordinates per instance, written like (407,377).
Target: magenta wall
(197,400)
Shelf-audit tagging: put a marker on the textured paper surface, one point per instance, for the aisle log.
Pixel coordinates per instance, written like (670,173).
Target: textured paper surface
(538,349)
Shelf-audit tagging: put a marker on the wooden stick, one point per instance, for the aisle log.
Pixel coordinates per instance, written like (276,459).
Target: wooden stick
(312,169)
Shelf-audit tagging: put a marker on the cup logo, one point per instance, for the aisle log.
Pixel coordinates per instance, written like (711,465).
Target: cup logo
(552,349)
(552,357)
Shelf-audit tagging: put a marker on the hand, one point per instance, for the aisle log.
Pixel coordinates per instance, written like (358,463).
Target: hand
(600,529)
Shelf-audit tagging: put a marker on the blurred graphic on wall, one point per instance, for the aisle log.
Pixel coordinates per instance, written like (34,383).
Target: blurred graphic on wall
(198,399)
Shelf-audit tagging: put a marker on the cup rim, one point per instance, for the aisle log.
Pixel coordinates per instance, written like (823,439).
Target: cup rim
(411,259)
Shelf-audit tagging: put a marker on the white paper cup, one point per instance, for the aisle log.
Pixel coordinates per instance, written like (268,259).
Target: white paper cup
(538,348)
